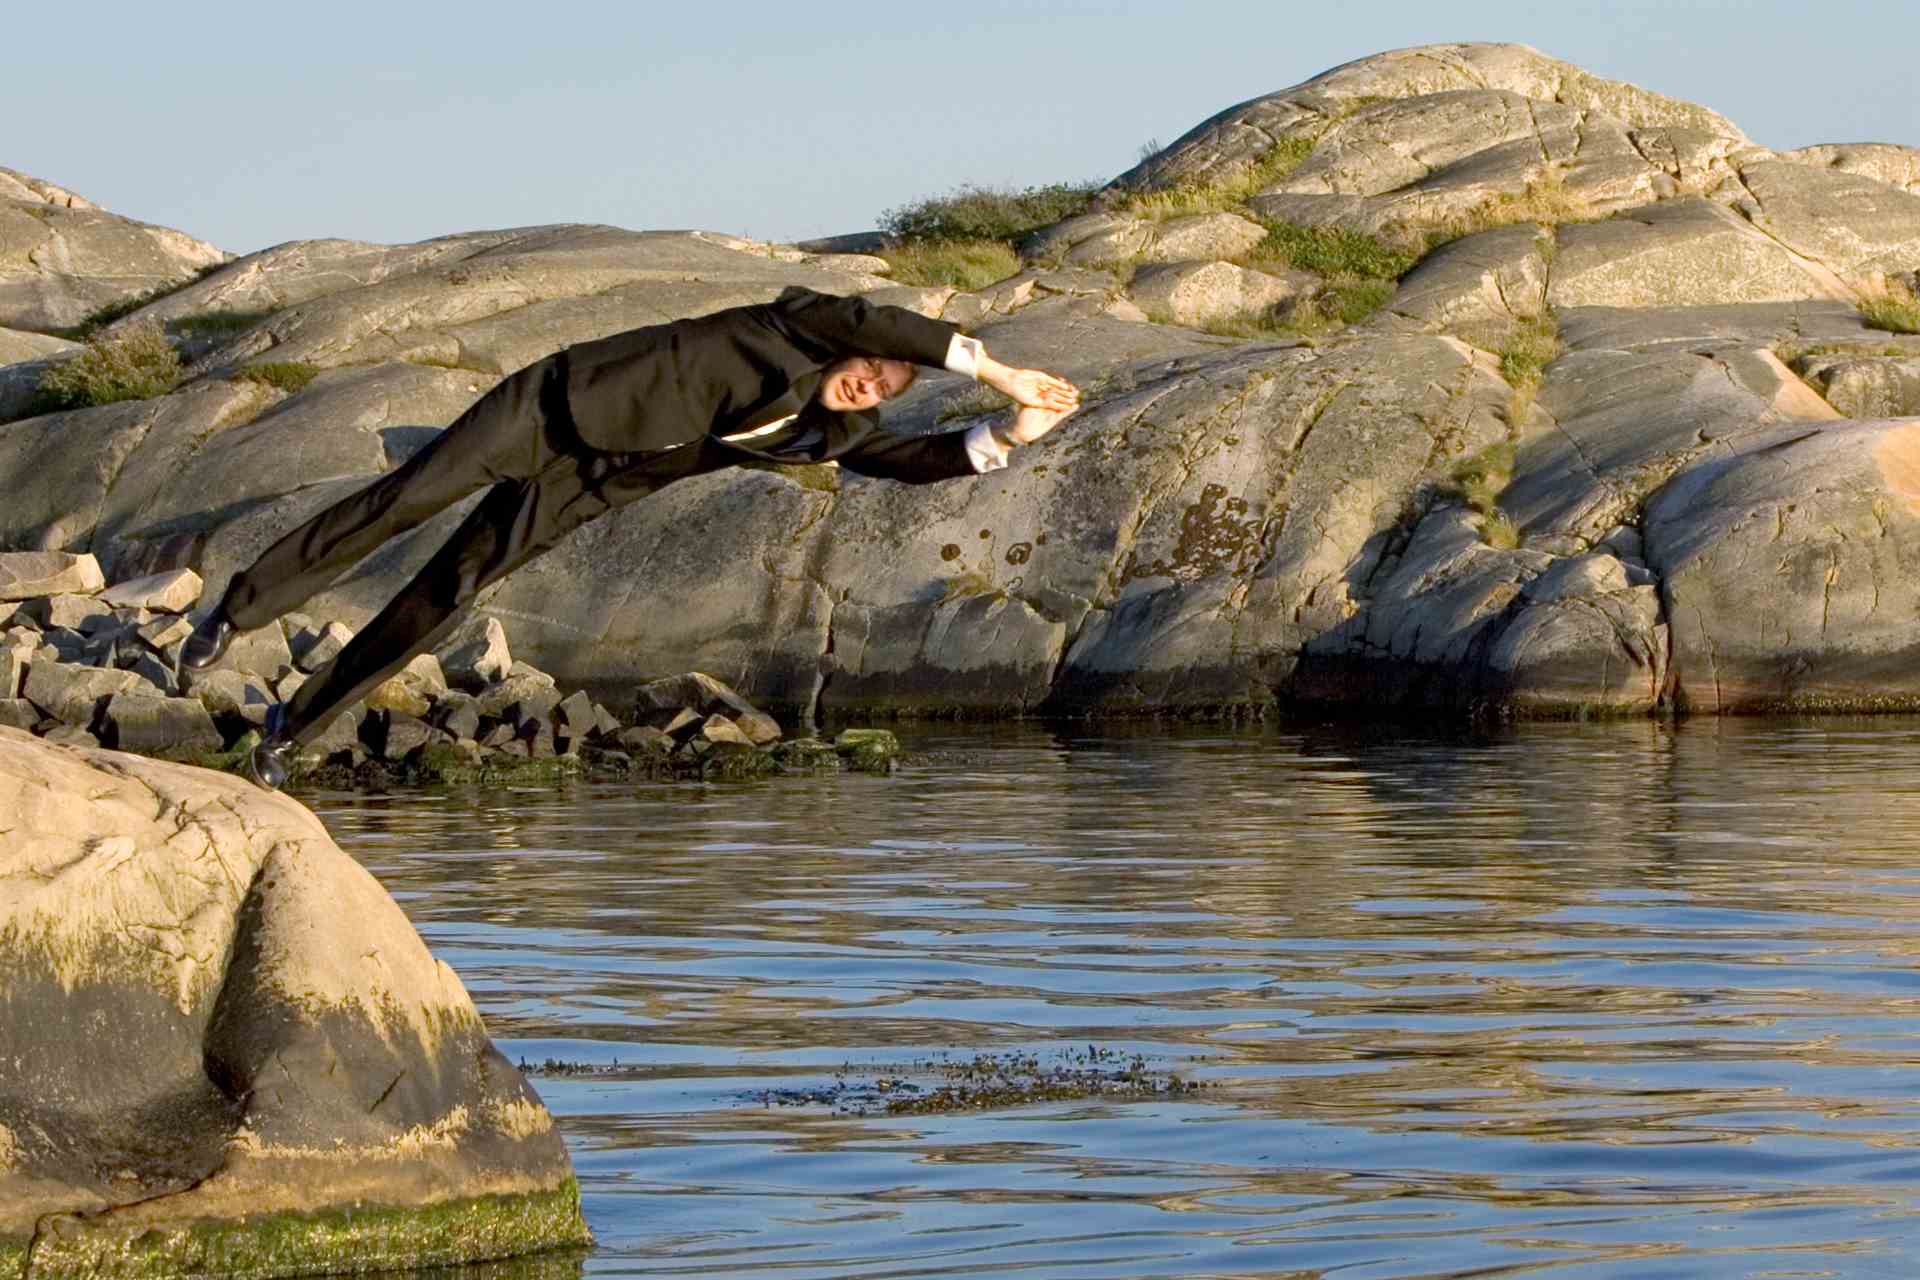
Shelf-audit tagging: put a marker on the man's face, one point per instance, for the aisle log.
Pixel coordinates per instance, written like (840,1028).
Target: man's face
(861,382)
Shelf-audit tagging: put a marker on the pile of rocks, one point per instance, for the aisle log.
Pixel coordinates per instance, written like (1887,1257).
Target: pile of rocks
(85,663)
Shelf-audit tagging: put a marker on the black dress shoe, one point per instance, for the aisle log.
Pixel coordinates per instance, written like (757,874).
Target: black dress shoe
(272,760)
(209,641)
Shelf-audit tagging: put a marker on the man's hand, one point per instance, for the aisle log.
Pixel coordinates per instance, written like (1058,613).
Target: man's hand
(1029,388)
(1030,424)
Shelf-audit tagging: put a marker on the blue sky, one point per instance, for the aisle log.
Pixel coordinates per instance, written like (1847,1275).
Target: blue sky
(252,124)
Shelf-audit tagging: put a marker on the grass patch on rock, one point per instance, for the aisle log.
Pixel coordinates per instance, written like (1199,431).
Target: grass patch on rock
(1343,302)
(290,376)
(971,212)
(1227,196)
(136,363)
(1527,349)
(1478,481)
(1334,252)
(959,264)
(217,326)
(1895,311)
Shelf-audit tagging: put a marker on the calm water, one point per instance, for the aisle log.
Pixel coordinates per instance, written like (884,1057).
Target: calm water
(1574,1001)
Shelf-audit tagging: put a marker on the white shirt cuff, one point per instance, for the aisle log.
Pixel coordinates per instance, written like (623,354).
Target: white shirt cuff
(963,356)
(984,449)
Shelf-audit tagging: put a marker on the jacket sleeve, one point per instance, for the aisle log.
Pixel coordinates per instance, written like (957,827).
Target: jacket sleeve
(910,459)
(829,328)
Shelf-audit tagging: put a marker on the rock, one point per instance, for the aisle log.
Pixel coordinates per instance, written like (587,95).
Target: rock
(18,713)
(475,660)
(405,734)
(1195,292)
(646,741)
(70,735)
(423,673)
(1204,237)
(576,714)
(401,697)
(60,261)
(313,650)
(27,574)
(13,668)
(232,693)
(166,630)
(1866,387)
(396,1135)
(85,614)
(458,714)
(155,672)
(867,750)
(695,690)
(1680,252)
(141,722)
(174,591)
(719,730)
(74,694)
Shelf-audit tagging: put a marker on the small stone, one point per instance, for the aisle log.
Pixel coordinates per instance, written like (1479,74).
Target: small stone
(84,614)
(289,684)
(156,673)
(142,722)
(477,657)
(868,750)
(13,669)
(531,689)
(575,712)
(343,734)
(644,740)
(458,714)
(27,574)
(425,675)
(69,735)
(605,721)
(406,734)
(759,727)
(18,713)
(527,671)
(681,725)
(498,737)
(314,650)
(398,695)
(74,694)
(174,591)
(230,693)
(718,729)
(167,629)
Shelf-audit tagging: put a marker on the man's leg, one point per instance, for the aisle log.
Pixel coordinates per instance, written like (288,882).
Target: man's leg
(515,521)
(502,436)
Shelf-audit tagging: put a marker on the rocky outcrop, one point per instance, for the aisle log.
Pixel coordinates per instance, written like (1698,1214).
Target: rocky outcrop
(311,1088)
(1519,337)
(63,258)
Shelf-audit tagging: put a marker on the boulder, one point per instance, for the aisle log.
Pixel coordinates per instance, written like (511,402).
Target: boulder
(1196,292)
(1204,237)
(27,574)
(137,721)
(311,1088)
(74,694)
(61,259)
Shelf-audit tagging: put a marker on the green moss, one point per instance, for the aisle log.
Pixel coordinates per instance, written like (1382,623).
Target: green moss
(290,376)
(330,1242)
(867,750)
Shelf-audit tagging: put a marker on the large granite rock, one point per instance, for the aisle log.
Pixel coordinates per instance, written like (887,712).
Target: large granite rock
(279,1077)
(1612,290)
(62,257)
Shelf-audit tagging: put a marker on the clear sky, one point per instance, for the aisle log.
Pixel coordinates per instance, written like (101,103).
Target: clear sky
(247,125)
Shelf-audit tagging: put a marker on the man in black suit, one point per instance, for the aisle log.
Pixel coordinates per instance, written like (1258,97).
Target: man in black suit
(597,426)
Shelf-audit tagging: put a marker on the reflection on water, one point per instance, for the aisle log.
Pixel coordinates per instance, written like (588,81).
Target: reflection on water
(1620,1000)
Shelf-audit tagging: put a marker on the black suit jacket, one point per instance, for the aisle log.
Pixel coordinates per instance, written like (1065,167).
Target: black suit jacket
(670,385)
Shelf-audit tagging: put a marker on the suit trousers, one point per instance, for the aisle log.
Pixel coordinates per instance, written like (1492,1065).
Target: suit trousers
(518,442)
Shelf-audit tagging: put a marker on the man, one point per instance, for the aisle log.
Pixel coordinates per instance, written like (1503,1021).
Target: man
(597,426)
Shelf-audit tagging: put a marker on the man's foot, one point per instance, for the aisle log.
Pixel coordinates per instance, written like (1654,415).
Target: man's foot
(272,760)
(209,641)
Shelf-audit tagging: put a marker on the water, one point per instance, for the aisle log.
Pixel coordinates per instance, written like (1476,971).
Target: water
(1620,1000)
